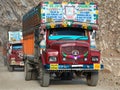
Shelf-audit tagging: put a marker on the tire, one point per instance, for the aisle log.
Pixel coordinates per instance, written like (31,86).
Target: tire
(10,68)
(27,72)
(34,75)
(44,76)
(5,61)
(92,78)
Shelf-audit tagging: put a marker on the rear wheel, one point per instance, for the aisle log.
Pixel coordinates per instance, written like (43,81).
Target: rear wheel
(5,61)
(44,76)
(92,78)
(10,68)
(34,75)
(27,71)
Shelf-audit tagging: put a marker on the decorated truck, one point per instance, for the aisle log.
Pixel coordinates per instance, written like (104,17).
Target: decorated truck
(14,50)
(59,42)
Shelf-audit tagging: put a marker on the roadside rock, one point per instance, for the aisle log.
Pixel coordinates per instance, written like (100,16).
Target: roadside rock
(108,68)
(118,49)
(118,74)
(118,15)
(118,44)
(108,37)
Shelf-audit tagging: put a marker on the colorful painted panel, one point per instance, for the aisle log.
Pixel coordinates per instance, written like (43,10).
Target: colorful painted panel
(59,12)
(15,35)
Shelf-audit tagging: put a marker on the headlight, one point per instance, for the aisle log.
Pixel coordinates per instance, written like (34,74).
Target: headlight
(95,59)
(52,59)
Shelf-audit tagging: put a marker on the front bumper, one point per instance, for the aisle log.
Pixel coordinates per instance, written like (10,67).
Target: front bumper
(74,67)
(17,63)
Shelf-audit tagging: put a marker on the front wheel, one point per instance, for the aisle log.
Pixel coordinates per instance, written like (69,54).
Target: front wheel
(44,76)
(92,78)
(34,75)
(27,71)
(10,68)
(5,61)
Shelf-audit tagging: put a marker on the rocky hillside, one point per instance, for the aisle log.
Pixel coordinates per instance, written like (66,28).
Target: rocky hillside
(11,12)
(108,36)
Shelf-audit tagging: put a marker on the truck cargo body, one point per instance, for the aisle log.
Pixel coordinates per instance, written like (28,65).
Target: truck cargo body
(60,37)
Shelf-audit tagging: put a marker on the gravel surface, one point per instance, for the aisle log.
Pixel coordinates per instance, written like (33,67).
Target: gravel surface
(15,81)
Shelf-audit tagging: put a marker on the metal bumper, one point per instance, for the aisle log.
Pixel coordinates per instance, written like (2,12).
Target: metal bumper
(74,67)
(17,63)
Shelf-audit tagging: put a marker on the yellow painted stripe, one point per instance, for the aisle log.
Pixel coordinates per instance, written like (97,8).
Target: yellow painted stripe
(50,2)
(52,25)
(84,26)
(97,11)
(87,3)
(42,10)
(64,24)
(64,2)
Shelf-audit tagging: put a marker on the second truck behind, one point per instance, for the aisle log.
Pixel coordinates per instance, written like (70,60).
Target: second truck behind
(14,50)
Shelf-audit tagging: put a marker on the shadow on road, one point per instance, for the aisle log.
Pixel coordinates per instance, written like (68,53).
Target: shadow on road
(68,82)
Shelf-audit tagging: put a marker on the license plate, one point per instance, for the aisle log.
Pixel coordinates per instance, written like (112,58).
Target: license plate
(53,66)
(77,65)
(96,66)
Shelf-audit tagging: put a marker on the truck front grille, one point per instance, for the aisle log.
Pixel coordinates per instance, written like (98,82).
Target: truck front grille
(69,51)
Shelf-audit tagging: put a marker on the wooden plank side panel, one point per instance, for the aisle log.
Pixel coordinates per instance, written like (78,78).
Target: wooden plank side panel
(28,44)
(31,22)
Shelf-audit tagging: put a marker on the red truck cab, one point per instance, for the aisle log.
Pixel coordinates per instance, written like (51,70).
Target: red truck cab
(15,56)
(70,46)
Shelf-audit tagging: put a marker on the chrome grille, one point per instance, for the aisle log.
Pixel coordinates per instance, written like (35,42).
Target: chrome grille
(68,50)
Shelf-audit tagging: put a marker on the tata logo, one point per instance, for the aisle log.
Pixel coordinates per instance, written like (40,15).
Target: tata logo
(75,52)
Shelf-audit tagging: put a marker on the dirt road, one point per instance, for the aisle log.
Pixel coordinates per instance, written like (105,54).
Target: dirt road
(15,81)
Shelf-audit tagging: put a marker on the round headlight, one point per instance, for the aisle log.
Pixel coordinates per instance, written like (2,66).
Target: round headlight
(52,59)
(95,59)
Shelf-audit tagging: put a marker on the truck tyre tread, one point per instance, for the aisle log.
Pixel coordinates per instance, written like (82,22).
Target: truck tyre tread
(5,61)
(44,77)
(10,68)
(28,73)
(34,76)
(92,78)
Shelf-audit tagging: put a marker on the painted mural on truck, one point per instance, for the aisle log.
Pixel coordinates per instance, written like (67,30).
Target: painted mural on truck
(69,11)
(15,35)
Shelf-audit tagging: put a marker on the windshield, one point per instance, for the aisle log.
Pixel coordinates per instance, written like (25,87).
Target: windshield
(16,46)
(67,34)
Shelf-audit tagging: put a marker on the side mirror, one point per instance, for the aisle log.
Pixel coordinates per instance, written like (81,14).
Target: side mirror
(93,34)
